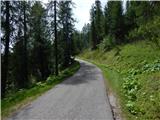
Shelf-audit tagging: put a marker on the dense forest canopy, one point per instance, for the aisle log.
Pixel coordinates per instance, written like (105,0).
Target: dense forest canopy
(28,41)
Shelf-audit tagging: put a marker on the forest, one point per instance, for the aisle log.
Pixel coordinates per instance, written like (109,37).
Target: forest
(31,52)
(28,39)
(39,43)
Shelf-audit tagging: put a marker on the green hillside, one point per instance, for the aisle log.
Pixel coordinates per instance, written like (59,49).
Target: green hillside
(133,72)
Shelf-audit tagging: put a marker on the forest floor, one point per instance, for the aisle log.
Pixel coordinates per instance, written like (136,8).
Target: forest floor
(132,72)
(80,97)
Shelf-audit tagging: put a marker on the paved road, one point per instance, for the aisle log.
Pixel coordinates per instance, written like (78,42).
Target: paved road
(80,97)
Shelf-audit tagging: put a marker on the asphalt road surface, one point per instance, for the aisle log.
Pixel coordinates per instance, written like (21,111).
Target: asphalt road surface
(80,97)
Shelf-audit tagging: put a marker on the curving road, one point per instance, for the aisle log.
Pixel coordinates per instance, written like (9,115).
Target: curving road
(80,97)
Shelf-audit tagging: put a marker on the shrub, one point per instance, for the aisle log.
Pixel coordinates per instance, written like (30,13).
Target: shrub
(107,43)
(149,31)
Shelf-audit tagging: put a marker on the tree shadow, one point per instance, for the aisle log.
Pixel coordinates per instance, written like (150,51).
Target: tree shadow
(85,74)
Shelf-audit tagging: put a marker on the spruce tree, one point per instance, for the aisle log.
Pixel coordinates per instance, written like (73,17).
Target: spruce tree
(41,51)
(66,26)
(6,44)
(98,21)
(93,31)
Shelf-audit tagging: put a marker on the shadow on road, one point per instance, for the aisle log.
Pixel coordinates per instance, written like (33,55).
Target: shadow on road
(85,74)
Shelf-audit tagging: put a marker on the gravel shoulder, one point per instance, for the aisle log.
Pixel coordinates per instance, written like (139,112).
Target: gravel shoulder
(80,97)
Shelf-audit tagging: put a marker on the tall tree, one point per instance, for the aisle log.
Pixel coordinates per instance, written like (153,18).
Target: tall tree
(18,58)
(25,60)
(98,21)
(66,25)
(130,16)
(106,20)
(6,51)
(85,33)
(115,20)
(93,31)
(20,47)
(41,51)
(55,36)
(78,42)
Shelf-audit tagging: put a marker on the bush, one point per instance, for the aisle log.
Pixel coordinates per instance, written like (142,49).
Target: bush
(149,31)
(107,43)
(50,80)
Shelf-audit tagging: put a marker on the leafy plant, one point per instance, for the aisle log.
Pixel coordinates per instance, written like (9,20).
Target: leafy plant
(106,44)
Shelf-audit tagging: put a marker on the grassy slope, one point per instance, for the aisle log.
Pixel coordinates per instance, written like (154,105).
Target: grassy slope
(134,75)
(21,98)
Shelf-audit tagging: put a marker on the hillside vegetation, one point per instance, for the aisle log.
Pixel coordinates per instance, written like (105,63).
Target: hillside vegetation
(126,46)
(133,73)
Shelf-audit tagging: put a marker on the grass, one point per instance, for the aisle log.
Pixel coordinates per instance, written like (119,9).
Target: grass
(134,75)
(21,98)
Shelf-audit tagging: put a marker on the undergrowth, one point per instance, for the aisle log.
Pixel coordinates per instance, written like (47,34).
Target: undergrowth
(134,75)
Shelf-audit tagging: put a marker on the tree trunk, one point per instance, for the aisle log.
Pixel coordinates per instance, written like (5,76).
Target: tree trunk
(25,84)
(55,34)
(6,51)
